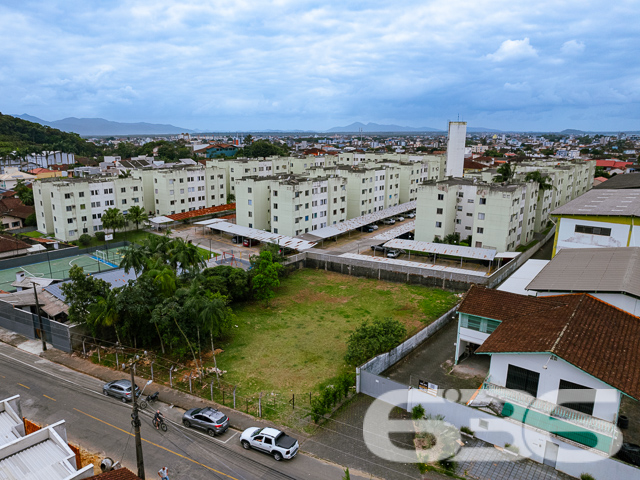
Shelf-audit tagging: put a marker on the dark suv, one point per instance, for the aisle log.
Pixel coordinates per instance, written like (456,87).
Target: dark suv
(119,389)
(212,421)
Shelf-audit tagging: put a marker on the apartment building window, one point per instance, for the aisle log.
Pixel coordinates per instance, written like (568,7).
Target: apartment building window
(458,221)
(460,194)
(68,208)
(439,211)
(72,233)
(275,206)
(249,190)
(275,218)
(83,219)
(250,214)
(441,196)
(124,201)
(459,208)
(81,194)
(69,220)
(275,230)
(480,230)
(480,216)
(85,230)
(67,196)
(123,190)
(181,191)
(438,224)
(606,232)
(135,189)
(155,180)
(172,202)
(135,200)
(182,180)
(470,200)
(275,193)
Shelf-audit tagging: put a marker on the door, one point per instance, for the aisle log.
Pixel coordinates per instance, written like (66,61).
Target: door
(522,379)
(551,454)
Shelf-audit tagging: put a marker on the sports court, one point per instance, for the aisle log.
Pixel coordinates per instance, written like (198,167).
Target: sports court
(98,261)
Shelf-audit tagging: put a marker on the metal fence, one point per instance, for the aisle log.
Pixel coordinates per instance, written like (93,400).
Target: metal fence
(27,324)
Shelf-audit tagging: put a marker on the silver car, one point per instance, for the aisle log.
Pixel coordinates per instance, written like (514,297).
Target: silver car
(119,389)
(212,421)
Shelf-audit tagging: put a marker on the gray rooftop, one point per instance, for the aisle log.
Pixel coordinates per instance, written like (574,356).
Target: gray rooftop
(116,278)
(591,270)
(628,180)
(620,203)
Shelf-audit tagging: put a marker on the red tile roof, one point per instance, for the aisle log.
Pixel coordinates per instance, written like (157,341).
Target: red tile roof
(120,474)
(9,243)
(202,212)
(612,163)
(13,207)
(590,334)
(471,165)
(36,171)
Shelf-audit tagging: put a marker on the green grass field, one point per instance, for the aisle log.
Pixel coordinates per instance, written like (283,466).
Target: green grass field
(299,341)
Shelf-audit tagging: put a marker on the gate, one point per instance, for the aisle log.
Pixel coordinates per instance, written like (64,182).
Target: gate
(375,386)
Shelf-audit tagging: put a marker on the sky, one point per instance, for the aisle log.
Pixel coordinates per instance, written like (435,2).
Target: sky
(293,64)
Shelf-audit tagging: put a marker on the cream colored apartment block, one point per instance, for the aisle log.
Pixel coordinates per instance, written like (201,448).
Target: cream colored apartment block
(182,188)
(71,207)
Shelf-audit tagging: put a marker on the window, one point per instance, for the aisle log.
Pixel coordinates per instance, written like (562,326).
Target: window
(480,230)
(441,196)
(275,193)
(123,190)
(67,196)
(576,397)
(480,216)
(438,224)
(275,218)
(438,211)
(84,219)
(68,208)
(606,232)
(69,220)
(249,190)
(250,214)
(275,206)
(523,380)
(124,201)
(482,201)
(81,194)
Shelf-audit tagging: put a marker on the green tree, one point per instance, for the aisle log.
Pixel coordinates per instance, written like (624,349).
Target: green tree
(265,279)
(505,173)
(136,302)
(113,218)
(136,215)
(24,193)
(81,292)
(372,338)
(104,312)
(185,255)
(134,258)
(543,181)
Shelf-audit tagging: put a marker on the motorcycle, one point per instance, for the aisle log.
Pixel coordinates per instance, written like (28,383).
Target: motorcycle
(149,399)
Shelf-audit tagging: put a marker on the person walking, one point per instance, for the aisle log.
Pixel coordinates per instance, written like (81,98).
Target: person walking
(163,473)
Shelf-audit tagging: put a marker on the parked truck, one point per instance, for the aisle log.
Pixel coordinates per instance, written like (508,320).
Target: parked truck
(271,441)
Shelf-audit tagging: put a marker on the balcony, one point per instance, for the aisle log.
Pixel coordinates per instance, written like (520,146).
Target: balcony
(567,423)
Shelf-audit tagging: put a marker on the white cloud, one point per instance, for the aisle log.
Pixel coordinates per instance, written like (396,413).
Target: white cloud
(513,50)
(572,47)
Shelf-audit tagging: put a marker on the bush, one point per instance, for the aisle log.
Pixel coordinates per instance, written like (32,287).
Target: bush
(586,476)
(31,221)
(417,412)
(85,239)
(511,448)
(100,236)
(373,338)
(467,430)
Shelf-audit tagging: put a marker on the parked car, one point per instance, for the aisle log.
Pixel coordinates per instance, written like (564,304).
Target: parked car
(366,229)
(374,226)
(389,221)
(411,215)
(249,242)
(271,441)
(378,248)
(394,253)
(211,420)
(399,218)
(119,389)
(236,239)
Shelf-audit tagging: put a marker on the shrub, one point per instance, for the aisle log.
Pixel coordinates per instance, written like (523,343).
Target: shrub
(31,221)
(373,338)
(417,412)
(85,239)
(511,448)
(586,476)
(100,236)
(467,430)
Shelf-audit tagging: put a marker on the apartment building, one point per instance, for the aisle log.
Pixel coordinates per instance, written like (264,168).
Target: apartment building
(493,215)
(177,188)
(70,207)
(290,205)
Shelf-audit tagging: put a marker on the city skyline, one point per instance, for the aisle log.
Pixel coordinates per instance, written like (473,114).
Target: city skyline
(304,66)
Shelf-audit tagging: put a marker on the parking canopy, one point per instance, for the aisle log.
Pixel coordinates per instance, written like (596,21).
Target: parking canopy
(443,249)
(255,234)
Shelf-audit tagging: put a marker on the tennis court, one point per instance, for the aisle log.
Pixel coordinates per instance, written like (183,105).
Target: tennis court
(98,261)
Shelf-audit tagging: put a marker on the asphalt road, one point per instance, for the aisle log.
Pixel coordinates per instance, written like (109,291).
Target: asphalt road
(51,392)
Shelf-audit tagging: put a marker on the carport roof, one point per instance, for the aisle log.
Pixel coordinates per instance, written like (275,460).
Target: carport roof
(261,235)
(442,249)
(357,222)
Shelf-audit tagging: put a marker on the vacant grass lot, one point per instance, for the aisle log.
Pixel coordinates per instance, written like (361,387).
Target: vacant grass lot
(299,341)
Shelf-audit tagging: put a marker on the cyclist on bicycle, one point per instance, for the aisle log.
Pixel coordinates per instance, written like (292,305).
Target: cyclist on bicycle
(158,418)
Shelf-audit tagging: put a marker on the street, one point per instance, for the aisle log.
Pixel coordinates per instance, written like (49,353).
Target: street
(50,392)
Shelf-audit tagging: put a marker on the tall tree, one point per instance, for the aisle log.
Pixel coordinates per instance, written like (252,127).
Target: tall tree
(505,173)
(81,292)
(265,280)
(24,193)
(104,312)
(134,258)
(543,181)
(185,255)
(137,215)
(113,218)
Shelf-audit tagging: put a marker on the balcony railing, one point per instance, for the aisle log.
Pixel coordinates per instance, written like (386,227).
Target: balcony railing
(553,410)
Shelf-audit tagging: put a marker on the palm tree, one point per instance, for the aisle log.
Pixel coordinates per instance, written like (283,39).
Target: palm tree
(104,312)
(164,275)
(136,215)
(158,247)
(113,218)
(134,257)
(185,255)
(544,182)
(505,173)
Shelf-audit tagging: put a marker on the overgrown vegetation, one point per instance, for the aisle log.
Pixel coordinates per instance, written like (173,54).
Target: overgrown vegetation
(372,338)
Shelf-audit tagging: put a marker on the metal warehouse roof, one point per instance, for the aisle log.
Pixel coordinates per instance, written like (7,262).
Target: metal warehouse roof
(443,249)
(396,231)
(591,270)
(405,263)
(620,203)
(43,460)
(261,235)
(7,423)
(357,222)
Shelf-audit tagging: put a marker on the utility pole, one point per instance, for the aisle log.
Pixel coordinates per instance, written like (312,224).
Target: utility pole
(136,424)
(44,341)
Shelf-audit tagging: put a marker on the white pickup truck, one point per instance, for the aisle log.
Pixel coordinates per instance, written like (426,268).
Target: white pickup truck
(271,441)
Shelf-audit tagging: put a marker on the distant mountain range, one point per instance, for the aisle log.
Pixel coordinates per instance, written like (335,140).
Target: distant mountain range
(100,127)
(374,128)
